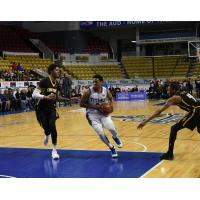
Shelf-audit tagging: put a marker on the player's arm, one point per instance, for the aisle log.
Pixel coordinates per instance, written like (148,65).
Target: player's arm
(37,95)
(64,99)
(110,97)
(172,101)
(84,101)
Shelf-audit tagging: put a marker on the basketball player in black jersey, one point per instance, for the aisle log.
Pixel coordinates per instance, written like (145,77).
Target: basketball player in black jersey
(191,120)
(47,94)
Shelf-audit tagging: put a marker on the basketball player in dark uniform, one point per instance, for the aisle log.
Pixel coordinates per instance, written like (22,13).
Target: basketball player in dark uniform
(191,120)
(47,95)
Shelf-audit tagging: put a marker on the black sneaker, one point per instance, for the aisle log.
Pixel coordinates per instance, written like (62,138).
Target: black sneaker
(167,156)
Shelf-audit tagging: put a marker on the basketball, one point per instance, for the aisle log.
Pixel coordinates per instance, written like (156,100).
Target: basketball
(107,108)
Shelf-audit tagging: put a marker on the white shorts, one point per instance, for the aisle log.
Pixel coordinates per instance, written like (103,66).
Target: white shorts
(100,121)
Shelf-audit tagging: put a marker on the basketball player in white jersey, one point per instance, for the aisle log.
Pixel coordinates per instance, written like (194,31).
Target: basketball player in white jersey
(91,100)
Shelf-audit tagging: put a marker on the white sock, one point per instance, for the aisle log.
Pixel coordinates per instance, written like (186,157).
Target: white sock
(54,148)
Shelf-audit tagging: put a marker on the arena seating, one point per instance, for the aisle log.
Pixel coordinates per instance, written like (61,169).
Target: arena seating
(11,41)
(138,67)
(84,71)
(96,45)
(166,66)
(16,39)
(197,70)
(28,62)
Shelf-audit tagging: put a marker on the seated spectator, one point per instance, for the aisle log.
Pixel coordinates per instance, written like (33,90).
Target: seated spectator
(14,66)
(4,101)
(13,101)
(20,68)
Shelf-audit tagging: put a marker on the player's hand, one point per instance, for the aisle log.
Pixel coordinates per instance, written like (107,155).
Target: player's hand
(141,125)
(100,109)
(51,96)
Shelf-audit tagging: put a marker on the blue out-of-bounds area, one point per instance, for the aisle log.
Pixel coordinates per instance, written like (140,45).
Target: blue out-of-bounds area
(37,163)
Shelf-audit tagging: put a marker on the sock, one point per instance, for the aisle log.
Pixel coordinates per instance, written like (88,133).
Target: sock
(54,147)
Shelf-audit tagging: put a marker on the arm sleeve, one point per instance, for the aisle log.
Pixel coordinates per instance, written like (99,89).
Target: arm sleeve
(36,94)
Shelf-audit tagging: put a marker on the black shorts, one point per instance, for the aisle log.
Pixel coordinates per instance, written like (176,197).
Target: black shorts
(191,120)
(45,115)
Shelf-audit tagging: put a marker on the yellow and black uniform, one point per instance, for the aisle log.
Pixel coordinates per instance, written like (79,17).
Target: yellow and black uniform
(192,106)
(46,109)
(190,121)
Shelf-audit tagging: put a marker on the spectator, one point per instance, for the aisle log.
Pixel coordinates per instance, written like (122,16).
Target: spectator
(67,87)
(23,99)
(14,67)
(5,101)
(18,99)
(13,102)
(30,100)
(136,88)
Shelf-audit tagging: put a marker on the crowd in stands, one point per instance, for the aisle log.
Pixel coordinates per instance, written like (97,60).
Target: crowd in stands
(116,89)
(17,100)
(16,73)
(158,88)
(21,100)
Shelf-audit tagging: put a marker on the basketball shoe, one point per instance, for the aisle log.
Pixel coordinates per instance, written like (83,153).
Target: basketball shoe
(54,154)
(167,156)
(114,152)
(118,142)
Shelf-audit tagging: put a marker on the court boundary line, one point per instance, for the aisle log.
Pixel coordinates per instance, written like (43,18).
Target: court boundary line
(150,170)
(79,149)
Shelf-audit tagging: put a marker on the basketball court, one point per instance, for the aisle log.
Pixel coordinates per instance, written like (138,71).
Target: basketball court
(84,155)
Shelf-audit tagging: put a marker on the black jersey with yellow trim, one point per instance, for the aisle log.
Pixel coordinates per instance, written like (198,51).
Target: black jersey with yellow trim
(188,102)
(47,87)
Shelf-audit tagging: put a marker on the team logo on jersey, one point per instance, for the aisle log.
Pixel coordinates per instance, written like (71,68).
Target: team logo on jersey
(162,119)
(53,90)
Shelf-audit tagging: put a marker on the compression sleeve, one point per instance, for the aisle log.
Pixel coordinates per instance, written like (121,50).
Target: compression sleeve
(36,94)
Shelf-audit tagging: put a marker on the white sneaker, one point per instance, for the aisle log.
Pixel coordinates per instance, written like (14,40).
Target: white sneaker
(55,154)
(46,140)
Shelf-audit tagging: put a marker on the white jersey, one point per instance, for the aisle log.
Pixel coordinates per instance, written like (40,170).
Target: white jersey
(97,99)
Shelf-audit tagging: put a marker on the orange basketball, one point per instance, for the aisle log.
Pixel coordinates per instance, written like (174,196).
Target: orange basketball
(107,108)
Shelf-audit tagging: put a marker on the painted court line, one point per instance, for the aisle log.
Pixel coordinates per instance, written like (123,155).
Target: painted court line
(5,176)
(151,169)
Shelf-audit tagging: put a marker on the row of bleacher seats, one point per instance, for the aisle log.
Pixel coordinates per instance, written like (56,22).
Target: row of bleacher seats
(136,67)
(87,71)
(197,70)
(28,62)
(11,41)
(84,71)
(143,67)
